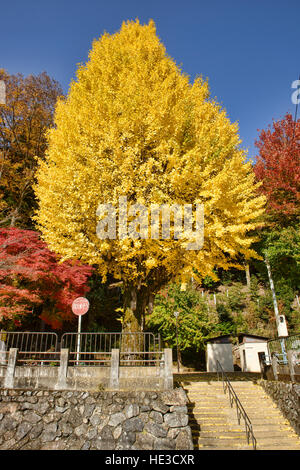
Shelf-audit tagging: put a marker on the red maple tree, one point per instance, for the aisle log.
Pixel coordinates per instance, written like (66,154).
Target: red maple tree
(31,275)
(278,167)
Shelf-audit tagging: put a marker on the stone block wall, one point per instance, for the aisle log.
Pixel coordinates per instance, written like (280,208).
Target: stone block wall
(76,420)
(287,398)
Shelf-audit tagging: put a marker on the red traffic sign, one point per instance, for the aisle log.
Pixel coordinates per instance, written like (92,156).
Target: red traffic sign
(80,306)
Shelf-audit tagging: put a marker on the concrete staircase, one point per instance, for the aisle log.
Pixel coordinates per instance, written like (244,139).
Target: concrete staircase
(215,426)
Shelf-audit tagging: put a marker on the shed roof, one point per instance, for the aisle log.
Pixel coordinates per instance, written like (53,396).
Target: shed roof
(252,336)
(244,336)
(219,339)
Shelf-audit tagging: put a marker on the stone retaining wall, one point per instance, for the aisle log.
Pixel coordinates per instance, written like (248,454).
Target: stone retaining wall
(74,420)
(287,398)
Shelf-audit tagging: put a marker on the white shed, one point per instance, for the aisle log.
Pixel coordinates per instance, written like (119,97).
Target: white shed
(219,349)
(252,350)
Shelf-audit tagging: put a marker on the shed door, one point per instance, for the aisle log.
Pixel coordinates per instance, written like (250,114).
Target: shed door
(262,359)
(244,361)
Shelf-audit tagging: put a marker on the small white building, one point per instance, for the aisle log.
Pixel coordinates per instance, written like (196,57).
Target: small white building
(219,349)
(252,350)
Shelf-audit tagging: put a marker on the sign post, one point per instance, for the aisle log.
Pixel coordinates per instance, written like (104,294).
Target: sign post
(176,314)
(79,307)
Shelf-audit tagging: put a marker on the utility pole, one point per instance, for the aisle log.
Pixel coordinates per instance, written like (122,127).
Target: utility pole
(176,314)
(248,278)
(279,318)
(2,92)
(2,102)
(296,110)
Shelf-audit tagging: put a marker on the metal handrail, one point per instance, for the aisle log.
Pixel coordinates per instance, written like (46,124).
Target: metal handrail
(239,407)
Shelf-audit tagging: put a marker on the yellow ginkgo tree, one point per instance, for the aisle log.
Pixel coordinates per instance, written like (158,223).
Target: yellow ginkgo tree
(133,135)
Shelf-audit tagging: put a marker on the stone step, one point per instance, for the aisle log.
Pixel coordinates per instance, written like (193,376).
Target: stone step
(267,432)
(224,427)
(224,406)
(215,425)
(206,398)
(204,386)
(228,436)
(202,404)
(219,430)
(271,426)
(209,418)
(216,412)
(240,434)
(233,443)
(277,447)
(231,412)
(200,407)
(219,384)
(232,431)
(278,443)
(214,422)
(209,410)
(258,419)
(218,395)
(221,444)
(203,393)
(220,391)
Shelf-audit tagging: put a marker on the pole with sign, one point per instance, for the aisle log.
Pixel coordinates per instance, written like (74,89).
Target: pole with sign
(176,314)
(279,318)
(2,92)
(79,307)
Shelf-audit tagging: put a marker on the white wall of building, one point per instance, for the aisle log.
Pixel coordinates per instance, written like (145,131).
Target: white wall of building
(249,356)
(221,352)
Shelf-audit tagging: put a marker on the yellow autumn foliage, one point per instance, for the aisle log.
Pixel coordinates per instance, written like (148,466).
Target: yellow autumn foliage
(133,125)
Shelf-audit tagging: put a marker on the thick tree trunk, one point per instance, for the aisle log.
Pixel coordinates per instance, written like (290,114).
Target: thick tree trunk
(136,300)
(248,278)
(133,310)
(139,299)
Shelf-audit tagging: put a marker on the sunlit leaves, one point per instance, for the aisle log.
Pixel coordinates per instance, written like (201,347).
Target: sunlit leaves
(133,125)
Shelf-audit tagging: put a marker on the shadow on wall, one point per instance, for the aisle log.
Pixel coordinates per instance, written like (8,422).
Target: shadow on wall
(219,349)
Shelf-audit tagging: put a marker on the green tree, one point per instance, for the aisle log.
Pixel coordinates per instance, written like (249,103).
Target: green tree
(195,323)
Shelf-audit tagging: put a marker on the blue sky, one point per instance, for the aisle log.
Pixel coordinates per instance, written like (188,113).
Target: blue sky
(248,49)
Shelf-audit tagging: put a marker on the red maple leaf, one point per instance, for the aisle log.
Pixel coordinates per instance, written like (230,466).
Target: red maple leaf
(30,274)
(278,167)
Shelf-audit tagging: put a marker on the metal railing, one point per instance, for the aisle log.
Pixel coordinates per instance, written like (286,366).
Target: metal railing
(280,346)
(34,348)
(85,349)
(140,348)
(241,413)
(284,356)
